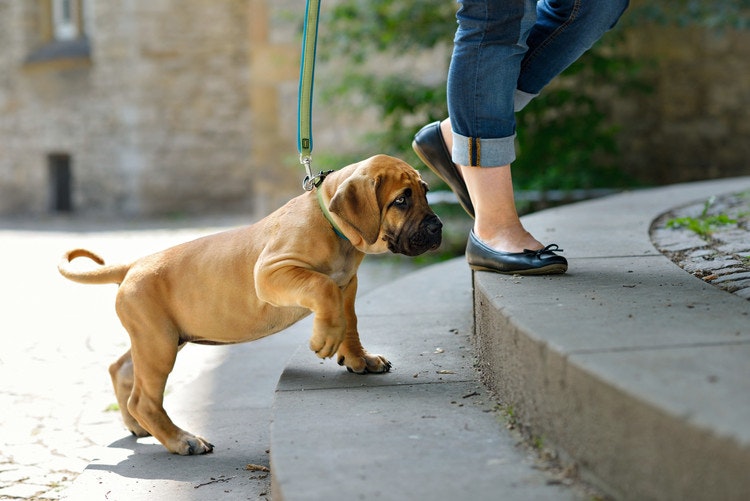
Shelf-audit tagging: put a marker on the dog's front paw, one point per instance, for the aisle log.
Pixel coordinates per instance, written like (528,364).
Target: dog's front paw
(190,445)
(366,363)
(326,345)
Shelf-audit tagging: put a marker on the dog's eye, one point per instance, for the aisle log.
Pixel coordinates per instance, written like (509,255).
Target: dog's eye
(403,199)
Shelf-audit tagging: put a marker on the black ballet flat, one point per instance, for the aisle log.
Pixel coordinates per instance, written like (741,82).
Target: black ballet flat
(430,147)
(539,262)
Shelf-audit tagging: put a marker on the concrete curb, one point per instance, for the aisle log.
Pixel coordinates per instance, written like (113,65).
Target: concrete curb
(426,430)
(629,365)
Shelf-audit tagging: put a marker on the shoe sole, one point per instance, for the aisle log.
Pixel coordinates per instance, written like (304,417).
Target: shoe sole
(424,160)
(553,269)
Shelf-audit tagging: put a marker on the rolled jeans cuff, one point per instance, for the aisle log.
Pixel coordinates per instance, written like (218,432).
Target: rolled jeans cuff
(521,99)
(478,152)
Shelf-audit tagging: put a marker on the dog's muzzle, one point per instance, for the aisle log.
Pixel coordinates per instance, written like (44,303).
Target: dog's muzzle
(428,236)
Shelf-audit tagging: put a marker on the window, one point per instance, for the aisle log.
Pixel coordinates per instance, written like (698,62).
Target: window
(63,31)
(60,182)
(66,19)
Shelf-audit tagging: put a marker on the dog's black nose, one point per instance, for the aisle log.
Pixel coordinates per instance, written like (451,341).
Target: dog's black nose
(433,225)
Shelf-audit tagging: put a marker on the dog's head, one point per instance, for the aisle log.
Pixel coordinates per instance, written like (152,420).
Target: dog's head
(384,200)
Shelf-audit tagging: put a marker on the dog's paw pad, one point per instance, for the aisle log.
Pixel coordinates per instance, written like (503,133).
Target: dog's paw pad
(372,364)
(191,445)
(199,446)
(377,363)
(325,349)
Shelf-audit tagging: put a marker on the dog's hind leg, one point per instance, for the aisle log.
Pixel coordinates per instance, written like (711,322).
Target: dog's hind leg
(351,353)
(152,363)
(121,373)
(154,343)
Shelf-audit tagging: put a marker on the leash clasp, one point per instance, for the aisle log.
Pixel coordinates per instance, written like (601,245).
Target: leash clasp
(310,181)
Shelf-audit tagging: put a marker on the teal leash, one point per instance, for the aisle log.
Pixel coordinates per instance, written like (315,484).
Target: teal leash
(304,99)
(304,108)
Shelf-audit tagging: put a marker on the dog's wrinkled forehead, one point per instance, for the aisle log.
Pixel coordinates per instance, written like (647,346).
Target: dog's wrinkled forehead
(392,171)
(410,177)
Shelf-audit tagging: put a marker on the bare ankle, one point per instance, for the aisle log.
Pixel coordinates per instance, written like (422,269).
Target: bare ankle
(510,239)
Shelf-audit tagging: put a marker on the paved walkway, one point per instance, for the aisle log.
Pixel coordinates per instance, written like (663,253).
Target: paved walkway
(59,338)
(54,379)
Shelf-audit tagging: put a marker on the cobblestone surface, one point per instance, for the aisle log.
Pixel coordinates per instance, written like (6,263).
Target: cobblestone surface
(55,395)
(722,256)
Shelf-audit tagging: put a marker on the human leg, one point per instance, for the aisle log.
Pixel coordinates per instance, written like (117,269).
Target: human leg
(564,30)
(579,24)
(496,219)
(490,44)
(504,54)
(489,47)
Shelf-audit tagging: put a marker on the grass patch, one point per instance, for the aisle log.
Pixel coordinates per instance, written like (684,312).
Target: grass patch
(704,224)
(508,414)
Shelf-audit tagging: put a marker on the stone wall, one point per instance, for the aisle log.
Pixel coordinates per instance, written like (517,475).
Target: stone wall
(172,110)
(695,123)
(190,106)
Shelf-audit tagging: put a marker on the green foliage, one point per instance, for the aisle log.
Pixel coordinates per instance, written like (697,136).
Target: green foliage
(571,147)
(714,14)
(508,413)
(398,98)
(537,442)
(565,137)
(703,225)
(356,28)
(356,31)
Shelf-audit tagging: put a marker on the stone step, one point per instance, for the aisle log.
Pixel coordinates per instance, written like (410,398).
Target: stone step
(627,366)
(631,366)
(426,430)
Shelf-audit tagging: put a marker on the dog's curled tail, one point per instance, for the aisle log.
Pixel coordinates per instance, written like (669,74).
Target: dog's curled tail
(113,274)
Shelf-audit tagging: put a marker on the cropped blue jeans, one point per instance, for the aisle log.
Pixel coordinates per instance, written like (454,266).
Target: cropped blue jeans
(505,52)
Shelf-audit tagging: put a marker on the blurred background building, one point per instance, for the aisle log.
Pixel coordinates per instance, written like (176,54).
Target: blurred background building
(146,107)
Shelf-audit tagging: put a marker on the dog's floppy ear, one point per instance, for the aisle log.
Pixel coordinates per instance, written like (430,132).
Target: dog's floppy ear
(356,202)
